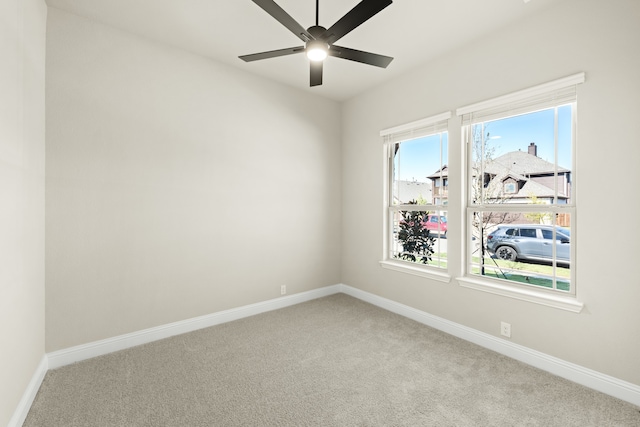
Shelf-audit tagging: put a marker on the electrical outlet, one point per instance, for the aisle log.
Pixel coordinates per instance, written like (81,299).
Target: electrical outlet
(505,329)
(283,289)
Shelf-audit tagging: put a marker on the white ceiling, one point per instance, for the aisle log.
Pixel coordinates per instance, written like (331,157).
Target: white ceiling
(411,31)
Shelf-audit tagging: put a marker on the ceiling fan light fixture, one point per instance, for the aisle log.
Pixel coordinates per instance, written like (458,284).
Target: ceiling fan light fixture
(317,50)
(319,42)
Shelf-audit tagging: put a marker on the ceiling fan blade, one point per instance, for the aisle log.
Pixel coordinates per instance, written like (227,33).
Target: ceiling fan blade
(284,18)
(356,16)
(272,54)
(360,56)
(316,73)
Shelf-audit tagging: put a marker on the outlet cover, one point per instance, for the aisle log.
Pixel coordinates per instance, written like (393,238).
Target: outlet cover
(505,329)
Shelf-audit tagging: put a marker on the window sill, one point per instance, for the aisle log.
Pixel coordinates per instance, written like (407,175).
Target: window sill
(567,303)
(416,271)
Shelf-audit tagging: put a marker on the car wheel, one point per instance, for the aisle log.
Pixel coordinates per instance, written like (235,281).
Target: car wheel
(506,253)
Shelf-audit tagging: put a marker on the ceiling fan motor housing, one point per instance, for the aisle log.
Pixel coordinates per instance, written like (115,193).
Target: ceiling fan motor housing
(316,31)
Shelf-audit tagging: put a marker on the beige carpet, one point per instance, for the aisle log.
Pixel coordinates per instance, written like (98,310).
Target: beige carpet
(335,361)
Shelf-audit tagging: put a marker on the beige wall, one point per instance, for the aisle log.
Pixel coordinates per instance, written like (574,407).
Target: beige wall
(22,43)
(598,38)
(176,186)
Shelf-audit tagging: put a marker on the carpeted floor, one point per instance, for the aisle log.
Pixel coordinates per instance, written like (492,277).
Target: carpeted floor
(335,361)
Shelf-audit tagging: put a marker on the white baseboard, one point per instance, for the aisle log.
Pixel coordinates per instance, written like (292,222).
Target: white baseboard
(606,384)
(595,380)
(21,412)
(98,348)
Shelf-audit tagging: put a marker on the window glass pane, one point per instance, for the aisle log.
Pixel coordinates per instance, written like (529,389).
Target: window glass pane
(419,170)
(420,237)
(528,248)
(518,159)
(438,227)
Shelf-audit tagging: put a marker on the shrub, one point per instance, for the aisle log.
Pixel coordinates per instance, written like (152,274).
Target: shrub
(417,243)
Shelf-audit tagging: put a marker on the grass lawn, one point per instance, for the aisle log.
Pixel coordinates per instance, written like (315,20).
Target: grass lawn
(544,269)
(515,271)
(523,272)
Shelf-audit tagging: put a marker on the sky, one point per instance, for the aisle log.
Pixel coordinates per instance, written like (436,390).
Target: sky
(421,157)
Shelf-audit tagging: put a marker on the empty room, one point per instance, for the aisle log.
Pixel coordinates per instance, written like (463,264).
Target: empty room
(204,223)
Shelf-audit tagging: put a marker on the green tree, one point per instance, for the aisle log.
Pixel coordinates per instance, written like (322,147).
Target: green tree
(417,243)
(537,217)
(421,200)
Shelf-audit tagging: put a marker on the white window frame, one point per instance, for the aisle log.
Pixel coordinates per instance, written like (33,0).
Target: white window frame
(536,98)
(421,128)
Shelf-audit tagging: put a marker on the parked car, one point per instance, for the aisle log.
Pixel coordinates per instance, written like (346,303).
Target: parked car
(530,242)
(435,223)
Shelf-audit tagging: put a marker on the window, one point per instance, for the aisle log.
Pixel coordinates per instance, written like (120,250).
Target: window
(520,182)
(416,197)
(510,187)
(560,235)
(528,232)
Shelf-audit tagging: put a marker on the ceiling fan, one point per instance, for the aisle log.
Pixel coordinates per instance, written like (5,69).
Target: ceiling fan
(319,41)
